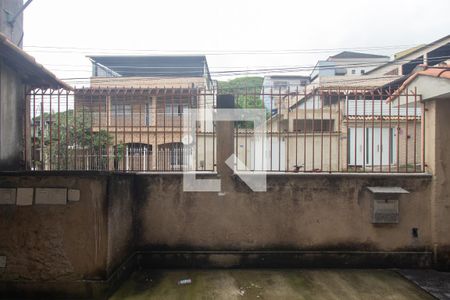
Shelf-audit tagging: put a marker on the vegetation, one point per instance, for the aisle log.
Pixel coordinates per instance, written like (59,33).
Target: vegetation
(251,83)
(68,132)
(247,94)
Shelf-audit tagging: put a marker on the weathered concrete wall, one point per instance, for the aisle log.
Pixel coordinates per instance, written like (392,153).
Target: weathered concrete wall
(121,237)
(12,112)
(297,213)
(55,242)
(73,249)
(119,214)
(437,141)
(80,248)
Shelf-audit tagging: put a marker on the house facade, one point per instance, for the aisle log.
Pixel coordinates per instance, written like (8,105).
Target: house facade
(347,63)
(140,103)
(339,126)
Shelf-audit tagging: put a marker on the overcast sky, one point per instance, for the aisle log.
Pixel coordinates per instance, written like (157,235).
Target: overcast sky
(214,27)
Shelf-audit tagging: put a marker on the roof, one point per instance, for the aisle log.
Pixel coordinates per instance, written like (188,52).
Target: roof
(79,92)
(415,51)
(25,65)
(288,76)
(342,84)
(155,66)
(363,81)
(350,54)
(438,72)
(403,53)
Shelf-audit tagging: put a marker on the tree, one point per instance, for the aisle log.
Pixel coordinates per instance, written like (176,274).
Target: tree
(64,134)
(247,94)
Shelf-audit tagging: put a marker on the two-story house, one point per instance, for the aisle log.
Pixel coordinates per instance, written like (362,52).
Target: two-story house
(347,63)
(139,103)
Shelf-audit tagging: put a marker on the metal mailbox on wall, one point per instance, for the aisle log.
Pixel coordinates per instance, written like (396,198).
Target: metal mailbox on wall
(385,208)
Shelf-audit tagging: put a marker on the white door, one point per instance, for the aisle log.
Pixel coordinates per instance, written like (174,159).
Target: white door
(360,148)
(384,146)
(278,157)
(355,146)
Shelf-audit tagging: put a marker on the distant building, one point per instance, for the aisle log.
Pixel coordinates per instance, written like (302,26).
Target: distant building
(150,71)
(362,130)
(284,82)
(406,61)
(147,125)
(281,84)
(347,64)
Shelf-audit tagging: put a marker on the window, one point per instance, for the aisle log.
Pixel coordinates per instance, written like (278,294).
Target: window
(353,71)
(175,109)
(280,84)
(172,154)
(363,72)
(309,125)
(284,125)
(120,109)
(148,114)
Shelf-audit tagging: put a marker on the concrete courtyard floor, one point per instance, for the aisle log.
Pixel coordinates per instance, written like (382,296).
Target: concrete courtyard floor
(269,284)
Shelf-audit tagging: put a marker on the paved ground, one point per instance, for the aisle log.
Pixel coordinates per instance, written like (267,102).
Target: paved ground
(434,282)
(269,284)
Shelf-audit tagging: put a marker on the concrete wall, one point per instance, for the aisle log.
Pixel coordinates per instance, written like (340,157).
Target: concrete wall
(297,212)
(437,142)
(12,112)
(55,242)
(121,229)
(82,247)
(66,250)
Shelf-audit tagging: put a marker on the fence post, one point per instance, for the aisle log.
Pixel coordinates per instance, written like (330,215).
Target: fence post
(225,140)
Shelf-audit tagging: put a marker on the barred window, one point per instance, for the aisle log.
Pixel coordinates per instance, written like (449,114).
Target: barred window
(120,109)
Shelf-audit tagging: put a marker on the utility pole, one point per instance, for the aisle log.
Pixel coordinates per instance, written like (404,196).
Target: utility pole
(11,20)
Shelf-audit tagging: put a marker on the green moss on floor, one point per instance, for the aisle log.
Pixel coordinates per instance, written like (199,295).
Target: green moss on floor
(269,284)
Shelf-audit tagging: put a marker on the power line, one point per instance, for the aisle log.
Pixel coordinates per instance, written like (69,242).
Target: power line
(272,68)
(61,49)
(253,71)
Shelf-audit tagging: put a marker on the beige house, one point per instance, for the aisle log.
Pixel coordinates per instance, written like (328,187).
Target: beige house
(339,126)
(140,103)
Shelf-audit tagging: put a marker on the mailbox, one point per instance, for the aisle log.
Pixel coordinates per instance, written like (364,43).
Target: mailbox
(385,208)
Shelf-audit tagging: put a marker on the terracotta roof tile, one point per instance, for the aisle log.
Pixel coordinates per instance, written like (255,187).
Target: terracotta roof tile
(440,72)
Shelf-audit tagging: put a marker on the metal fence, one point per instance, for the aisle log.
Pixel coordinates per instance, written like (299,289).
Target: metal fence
(308,129)
(118,129)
